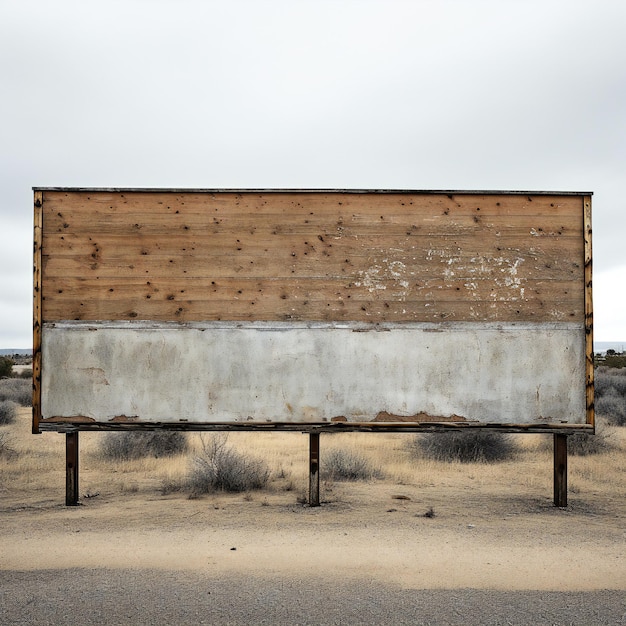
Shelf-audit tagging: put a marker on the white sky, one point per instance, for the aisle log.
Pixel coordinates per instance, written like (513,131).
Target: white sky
(522,94)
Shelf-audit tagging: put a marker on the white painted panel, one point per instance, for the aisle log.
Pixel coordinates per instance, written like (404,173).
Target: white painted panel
(290,372)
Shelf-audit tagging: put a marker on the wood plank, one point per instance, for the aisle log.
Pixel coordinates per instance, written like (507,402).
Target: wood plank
(373,310)
(560,469)
(71,469)
(324,289)
(314,469)
(283,264)
(589,370)
(62,244)
(70,425)
(281,224)
(294,203)
(37,309)
(415,252)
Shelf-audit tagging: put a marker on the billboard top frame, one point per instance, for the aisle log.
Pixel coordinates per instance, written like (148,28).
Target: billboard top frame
(475,192)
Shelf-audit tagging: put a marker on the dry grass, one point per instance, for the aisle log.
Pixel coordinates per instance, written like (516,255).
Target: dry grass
(37,469)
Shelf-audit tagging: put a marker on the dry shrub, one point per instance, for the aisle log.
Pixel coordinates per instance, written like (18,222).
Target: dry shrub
(471,446)
(8,411)
(17,390)
(585,444)
(6,366)
(6,449)
(124,446)
(340,464)
(219,467)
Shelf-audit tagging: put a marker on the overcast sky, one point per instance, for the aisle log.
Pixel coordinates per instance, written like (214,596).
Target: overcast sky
(517,94)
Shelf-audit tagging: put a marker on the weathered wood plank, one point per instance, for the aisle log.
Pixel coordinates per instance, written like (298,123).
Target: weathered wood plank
(295,203)
(65,425)
(216,244)
(314,469)
(241,299)
(37,309)
(159,224)
(560,469)
(71,469)
(372,312)
(282,265)
(321,288)
(589,372)
(288,258)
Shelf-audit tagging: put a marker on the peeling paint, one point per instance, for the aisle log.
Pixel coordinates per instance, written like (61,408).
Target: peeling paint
(387,274)
(384,416)
(96,375)
(70,419)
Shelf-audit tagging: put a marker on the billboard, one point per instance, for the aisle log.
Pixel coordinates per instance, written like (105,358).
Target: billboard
(372,309)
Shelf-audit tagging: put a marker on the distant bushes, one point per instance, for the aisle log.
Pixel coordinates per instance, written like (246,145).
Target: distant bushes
(610,400)
(471,446)
(18,390)
(219,467)
(125,446)
(613,360)
(339,464)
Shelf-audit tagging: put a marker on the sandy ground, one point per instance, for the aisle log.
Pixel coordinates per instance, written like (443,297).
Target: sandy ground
(496,551)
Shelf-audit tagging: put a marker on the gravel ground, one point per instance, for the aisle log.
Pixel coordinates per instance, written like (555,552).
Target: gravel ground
(138,597)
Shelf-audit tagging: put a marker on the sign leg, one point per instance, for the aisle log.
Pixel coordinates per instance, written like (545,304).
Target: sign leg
(71,469)
(560,470)
(314,469)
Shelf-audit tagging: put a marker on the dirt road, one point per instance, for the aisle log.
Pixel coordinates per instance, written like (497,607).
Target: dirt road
(365,558)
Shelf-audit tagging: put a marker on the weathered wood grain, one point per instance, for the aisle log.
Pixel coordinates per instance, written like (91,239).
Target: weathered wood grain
(589,373)
(37,308)
(312,256)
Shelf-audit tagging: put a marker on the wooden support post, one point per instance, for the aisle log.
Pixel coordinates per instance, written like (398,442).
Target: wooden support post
(560,470)
(71,469)
(314,469)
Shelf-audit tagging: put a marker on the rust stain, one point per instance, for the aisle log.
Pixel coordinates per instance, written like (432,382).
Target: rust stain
(72,419)
(124,418)
(339,418)
(383,416)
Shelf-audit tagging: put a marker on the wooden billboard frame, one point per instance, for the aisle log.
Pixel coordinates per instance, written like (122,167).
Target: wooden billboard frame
(71,428)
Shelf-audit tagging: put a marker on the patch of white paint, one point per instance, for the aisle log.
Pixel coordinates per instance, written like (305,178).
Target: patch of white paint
(390,274)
